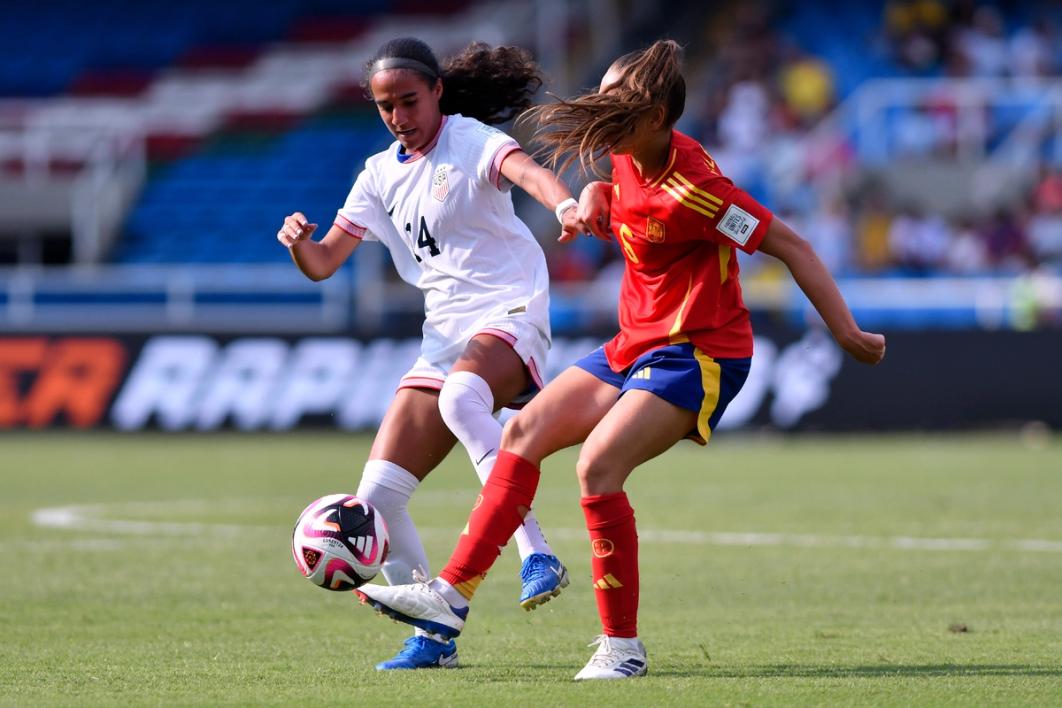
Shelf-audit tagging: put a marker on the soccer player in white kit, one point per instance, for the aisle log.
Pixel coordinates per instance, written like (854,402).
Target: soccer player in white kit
(438,199)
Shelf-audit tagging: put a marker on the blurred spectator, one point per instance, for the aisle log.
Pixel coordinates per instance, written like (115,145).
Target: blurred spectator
(829,231)
(1035,298)
(966,254)
(1031,49)
(983,44)
(904,238)
(1045,239)
(743,132)
(916,30)
(1045,234)
(1047,196)
(807,87)
(873,253)
(761,95)
(1005,241)
(752,42)
(919,241)
(743,124)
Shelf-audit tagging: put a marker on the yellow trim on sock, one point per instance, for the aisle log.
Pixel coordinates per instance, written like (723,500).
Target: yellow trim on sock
(468,587)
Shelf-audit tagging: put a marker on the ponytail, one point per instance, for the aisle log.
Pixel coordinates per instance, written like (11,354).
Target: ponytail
(587,127)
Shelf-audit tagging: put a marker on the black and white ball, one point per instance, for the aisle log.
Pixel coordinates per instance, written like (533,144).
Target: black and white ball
(340,542)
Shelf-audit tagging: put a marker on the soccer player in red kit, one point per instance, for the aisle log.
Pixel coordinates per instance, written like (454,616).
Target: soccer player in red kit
(682,353)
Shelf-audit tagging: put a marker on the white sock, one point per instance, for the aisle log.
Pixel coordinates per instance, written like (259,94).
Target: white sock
(418,632)
(449,593)
(388,487)
(467,406)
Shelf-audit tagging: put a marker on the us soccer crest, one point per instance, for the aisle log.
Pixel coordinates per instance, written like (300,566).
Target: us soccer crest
(654,231)
(440,186)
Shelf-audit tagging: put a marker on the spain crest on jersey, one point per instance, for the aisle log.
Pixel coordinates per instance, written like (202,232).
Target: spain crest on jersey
(654,231)
(440,186)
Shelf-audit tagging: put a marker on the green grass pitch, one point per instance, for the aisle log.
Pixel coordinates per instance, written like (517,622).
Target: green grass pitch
(906,570)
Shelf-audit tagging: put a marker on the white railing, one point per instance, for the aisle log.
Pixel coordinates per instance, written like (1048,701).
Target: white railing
(103,193)
(996,302)
(228,298)
(277,298)
(940,118)
(97,171)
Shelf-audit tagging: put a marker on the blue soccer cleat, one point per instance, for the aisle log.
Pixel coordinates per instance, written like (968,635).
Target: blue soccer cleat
(422,653)
(543,578)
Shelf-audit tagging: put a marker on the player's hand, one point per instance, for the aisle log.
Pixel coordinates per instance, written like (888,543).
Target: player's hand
(865,347)
(571,226)
(295,229)
(595,208)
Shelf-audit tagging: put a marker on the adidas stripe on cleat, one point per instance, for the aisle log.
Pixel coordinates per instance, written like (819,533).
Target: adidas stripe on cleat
(632,667)
(615,658)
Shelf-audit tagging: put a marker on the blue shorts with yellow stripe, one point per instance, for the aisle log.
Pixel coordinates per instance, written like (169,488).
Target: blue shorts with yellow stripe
(682,375)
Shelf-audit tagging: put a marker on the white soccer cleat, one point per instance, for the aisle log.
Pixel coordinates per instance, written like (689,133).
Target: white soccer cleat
(615,658)
(416,604)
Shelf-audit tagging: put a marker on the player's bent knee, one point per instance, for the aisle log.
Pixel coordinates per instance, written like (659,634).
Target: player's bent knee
(521,436)
(597,475)
(515,434)
(463,396)
(450,405)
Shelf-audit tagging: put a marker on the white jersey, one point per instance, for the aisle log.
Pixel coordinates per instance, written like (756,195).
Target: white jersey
(446,216)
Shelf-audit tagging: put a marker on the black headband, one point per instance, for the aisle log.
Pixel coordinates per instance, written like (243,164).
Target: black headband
(402,63)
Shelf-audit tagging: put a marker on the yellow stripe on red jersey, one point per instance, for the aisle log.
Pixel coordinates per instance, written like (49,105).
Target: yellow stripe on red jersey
(677,231)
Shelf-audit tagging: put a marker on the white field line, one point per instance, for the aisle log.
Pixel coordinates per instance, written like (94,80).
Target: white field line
(89,519)
(80,545)
(747,539)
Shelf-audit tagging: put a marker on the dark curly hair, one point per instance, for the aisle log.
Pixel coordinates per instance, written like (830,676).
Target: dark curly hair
(490,84)
(587,127)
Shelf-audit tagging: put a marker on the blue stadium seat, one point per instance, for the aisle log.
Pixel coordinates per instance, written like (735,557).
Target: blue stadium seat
(224,204)
(47,43)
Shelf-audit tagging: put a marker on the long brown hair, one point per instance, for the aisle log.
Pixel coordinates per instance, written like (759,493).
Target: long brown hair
(587,127)
(490,84)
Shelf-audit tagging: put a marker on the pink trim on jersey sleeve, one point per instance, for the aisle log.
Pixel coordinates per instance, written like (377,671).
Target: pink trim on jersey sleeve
(350,227)
(499,157)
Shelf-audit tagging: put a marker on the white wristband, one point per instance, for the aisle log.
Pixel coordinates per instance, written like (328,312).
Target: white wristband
(565,206)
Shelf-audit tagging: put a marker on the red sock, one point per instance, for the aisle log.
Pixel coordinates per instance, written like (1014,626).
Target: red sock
(498,512)
(614,542)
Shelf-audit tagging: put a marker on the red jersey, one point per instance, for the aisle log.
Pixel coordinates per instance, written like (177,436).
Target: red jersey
(678,234)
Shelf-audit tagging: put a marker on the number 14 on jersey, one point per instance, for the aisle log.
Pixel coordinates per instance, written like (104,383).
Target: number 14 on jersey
(424,239)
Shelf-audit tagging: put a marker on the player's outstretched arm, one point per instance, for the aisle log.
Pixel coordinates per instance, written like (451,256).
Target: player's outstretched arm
(520,169)
(316,259)
(811,275)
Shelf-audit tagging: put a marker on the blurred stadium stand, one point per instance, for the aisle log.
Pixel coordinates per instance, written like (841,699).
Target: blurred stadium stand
(917,144)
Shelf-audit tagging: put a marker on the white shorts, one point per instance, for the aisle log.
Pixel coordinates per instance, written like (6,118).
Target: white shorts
(524,337)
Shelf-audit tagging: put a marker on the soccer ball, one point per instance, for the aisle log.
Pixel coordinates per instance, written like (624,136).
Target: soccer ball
(339,542)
